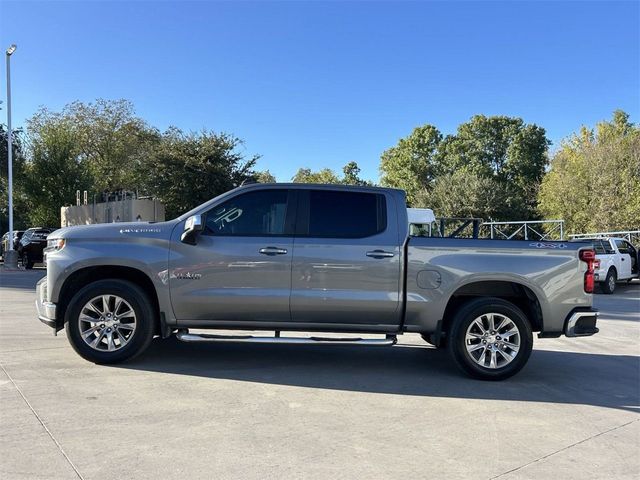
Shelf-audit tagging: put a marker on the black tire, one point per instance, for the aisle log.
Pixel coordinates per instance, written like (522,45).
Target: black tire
(144,318)
(25,261)
(462,320)
(609,284)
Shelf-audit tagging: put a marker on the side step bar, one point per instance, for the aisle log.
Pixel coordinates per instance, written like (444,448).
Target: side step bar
(204,338)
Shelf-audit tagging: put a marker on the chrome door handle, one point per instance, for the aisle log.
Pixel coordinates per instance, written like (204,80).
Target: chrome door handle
(273,251)
(380,254)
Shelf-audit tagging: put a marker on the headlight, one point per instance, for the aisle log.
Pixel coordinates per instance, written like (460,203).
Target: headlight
(55,244)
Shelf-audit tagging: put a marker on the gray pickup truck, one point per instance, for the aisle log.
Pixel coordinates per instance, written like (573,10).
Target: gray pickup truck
(312,258)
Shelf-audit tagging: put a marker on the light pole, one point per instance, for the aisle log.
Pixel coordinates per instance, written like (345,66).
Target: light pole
(10,256)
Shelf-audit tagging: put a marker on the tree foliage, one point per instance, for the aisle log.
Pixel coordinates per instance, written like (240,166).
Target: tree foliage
(351,176)
(187,169)
(412,164)
(464,194)
(507,153)
(18,161)
(594,180)
(55,171)
(265,177)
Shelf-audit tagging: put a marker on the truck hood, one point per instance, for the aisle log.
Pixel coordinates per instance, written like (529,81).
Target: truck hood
(102,231)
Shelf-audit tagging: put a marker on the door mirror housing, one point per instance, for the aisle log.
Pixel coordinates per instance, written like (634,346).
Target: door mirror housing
(192,227)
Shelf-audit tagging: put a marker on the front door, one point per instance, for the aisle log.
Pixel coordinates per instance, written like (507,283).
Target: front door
(346,262)
(239,270)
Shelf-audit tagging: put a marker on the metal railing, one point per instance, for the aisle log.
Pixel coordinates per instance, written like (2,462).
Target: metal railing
(526,230)
(633,236)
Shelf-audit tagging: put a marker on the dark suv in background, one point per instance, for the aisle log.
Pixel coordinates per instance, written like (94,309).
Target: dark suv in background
(32,245)
(4,244)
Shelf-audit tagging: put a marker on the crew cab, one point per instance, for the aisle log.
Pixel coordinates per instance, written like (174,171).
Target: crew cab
(616,260)
(312,258)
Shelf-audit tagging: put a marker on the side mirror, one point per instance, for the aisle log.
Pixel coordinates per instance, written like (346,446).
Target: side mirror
(192,227)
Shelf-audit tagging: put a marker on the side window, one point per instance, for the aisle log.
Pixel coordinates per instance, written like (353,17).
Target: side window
(608,249)
(337,214)
(259,213)
(599,247)
(622,247)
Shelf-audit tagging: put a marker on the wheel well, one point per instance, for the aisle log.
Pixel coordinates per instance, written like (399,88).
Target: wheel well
(516,293)
(85,276)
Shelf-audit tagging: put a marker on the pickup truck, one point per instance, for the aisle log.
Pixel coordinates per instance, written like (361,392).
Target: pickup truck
(312,258)
(616,259)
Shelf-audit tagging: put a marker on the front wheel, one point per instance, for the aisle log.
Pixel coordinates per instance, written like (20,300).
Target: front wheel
(110,321)
(490,339)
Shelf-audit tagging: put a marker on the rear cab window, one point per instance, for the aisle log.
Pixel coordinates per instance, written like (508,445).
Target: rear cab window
(342,214)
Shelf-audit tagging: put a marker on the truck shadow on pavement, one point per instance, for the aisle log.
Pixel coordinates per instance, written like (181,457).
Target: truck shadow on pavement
(553,377)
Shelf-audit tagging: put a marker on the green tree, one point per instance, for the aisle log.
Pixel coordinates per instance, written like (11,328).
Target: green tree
(185,170)
(351,175)
(265,177)
(113,141)
(412,164)
(505,148)
(464,194)
(20,219)
(306,175)
(594,180)
(54,171)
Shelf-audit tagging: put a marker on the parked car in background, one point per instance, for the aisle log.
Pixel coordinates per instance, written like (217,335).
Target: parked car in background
(31,246)
(616,259)
(4,243)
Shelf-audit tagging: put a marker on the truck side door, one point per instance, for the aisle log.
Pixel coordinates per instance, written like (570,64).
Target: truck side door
(625,259)
(347,260)
(239,270)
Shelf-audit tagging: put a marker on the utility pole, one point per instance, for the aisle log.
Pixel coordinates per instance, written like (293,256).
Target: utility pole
(10,256)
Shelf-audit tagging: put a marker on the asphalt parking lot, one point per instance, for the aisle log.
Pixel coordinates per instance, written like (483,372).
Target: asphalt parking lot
(295,411)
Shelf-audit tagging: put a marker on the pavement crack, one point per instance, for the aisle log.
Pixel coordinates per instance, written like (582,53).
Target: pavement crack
(563,449)
(64,454)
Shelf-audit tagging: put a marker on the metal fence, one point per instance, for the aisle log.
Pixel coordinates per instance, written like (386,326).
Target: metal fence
(526,230)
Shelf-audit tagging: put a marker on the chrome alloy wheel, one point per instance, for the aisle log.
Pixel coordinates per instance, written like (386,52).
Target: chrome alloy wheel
(107,323)
(612,283)
(492,340)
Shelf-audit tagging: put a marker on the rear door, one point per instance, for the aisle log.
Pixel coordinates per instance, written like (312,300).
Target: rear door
(240,268)
(346,262)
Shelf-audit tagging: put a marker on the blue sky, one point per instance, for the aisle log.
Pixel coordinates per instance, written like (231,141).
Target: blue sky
(314,84)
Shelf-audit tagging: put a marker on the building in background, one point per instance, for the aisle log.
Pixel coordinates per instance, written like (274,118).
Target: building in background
(121,206)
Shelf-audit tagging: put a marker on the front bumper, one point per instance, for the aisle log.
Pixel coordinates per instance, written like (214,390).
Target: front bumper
(581,323)
(46,310)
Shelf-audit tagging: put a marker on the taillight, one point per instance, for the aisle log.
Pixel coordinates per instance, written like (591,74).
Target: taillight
(589,257)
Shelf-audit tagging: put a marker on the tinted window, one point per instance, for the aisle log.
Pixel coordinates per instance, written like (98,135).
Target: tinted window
(251,214)
(622,246)
(346,214)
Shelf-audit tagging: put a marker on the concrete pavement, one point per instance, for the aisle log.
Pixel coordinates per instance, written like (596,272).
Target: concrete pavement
(294,411)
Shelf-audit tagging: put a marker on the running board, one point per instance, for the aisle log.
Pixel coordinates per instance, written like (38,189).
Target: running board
(201,338)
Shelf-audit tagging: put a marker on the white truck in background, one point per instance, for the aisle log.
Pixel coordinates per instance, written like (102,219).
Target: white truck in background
(616,260)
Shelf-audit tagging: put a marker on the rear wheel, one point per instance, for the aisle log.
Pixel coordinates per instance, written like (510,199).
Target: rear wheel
(490,339)
(609,284)
(110,321)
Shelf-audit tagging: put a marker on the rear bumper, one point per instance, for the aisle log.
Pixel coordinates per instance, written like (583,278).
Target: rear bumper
(46,310)
(581,323)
